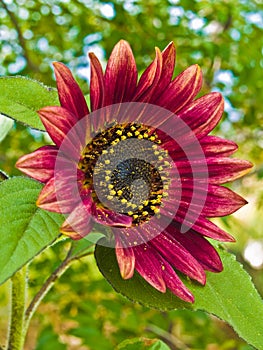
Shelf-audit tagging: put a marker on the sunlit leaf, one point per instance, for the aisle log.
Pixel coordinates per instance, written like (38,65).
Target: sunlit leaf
(5,125)
(25,230)
(21,97)
(229,295)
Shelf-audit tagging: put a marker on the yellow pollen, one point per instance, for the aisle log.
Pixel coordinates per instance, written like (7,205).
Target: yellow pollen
(129,134)
(160,157)
(123,200)
(110,186)
(104,151)
(119,132)
(160,168)
(145,135)
(119,193)
(156,153)
(107,178)
(140,207)
(145,213)
(137,133)
(111,150)
(134,206)
(112,192)
(145,202)
(123,137)
(152,138)
(135,216)
(140,137)
(163,267)
(108,172)
(133,128)
(166,163)
(130,213)
(109,198)
(165,194)
(107,161)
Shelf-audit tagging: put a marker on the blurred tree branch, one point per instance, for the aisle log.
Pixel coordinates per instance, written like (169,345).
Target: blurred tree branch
(21,39)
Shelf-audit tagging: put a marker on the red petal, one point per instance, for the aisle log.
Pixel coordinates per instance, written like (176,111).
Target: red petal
(121,75)
(168,62)
(202,226)
(199,248)
(79,224)
(125,258)
(214,146)
(110,218)
(203,114)
(70,95)
(96,83)
(211,200)
(39,164)
(58,123)
(149,266)
(60,195)
(222,170)
(149,79)
(178,257)
(181,90)
(221,201)
(216,170)
(174,283)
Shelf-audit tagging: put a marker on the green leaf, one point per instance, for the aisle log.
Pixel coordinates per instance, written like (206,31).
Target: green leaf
(5,125)
(142,343)
(25,230)
(230,295)
(21,97)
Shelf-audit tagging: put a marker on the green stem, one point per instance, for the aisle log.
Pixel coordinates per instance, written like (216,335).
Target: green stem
(16,330)
(46,288)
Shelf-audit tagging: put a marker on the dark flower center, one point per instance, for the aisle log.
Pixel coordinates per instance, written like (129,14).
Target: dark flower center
(127,170)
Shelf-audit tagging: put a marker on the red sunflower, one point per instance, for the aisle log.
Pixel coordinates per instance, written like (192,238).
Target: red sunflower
(140,163)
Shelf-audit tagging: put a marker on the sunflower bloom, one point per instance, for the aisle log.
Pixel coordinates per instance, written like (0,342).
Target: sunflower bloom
(142,164)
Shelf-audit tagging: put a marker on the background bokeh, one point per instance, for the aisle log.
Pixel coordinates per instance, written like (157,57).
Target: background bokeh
(225,38)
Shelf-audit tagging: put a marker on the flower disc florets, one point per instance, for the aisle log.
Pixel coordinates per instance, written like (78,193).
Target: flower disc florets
(127,177)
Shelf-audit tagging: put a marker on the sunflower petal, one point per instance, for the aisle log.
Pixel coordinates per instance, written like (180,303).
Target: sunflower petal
(214,146)
(174,283)
(148,265)
(198,247)
(121,75)
(178,256)
(39,164)
(70,95)
(149,79)
(202,115)
(216,170)
(181,90)
(59,122)
(79,223)
(125,258)
(168,62)
(96,83)
(110,218)
(60,194)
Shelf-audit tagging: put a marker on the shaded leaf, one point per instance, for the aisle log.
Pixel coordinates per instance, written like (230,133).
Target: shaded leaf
(25,230)
(230,295)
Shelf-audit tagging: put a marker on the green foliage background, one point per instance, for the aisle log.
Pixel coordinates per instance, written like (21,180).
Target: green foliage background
(225,38)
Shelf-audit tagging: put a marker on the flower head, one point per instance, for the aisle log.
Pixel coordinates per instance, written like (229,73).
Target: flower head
(142,164)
